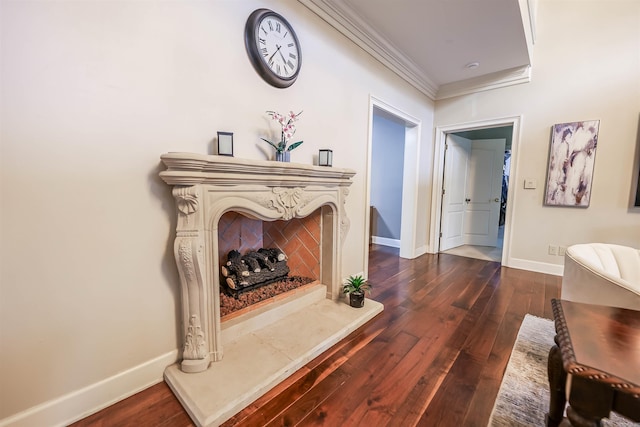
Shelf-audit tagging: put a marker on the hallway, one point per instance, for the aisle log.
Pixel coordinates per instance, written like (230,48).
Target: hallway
(486,253)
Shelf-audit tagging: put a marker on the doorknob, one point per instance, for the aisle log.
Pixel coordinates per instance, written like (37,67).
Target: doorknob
(496,200)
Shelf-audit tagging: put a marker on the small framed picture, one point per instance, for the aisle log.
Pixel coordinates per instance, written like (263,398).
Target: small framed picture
(325,157)
(225,144)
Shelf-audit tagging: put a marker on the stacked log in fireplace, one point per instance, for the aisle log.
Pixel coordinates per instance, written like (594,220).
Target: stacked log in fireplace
(253,269)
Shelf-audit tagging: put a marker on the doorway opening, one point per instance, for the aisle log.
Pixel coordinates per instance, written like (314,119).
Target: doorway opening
(471,205)
(392,178)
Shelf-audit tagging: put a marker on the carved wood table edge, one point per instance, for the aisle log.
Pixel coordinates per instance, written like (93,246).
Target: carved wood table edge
(594,393)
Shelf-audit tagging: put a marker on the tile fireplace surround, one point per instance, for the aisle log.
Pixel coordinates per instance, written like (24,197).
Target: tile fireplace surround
(263,347)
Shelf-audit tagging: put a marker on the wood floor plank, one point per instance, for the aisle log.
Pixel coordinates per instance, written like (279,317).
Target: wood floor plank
(393,383)
(413,407)
(274,402)
(361,401)
(449,405)
(154,406)
(435,356)
(467,298)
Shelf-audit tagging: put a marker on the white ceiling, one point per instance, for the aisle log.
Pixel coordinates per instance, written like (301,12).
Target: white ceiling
(431,42)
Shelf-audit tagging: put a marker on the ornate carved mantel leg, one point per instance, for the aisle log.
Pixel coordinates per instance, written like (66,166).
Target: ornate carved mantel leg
(189,250)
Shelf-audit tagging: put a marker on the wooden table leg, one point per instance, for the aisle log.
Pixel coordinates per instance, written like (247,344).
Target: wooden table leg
(589,402)
(577,420)
(557,383)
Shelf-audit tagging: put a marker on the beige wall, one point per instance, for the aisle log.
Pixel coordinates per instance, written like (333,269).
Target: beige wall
(92,94)
(586,66)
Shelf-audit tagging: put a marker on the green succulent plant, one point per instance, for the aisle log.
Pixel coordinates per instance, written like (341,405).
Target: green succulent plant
(356,284)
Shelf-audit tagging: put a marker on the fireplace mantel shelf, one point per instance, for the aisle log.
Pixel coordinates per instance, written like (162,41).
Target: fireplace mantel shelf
(193,169)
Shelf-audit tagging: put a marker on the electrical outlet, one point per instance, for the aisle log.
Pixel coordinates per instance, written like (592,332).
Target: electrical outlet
(562,250)
(553,250)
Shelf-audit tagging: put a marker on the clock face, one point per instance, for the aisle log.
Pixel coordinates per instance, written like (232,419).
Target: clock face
(273,48)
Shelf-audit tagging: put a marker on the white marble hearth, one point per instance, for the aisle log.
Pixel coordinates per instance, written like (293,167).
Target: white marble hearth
(257,360)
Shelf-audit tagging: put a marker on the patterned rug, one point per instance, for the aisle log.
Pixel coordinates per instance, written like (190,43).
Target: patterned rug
(523,398)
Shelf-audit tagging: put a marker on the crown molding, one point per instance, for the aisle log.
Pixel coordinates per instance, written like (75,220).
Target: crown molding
(511,77)
(344,19)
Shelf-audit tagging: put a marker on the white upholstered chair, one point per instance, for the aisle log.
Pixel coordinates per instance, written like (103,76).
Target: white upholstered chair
(601,273)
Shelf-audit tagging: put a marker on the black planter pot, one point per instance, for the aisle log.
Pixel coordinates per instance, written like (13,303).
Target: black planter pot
(356,299)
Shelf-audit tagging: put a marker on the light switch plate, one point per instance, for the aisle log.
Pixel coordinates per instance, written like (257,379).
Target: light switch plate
(530,183)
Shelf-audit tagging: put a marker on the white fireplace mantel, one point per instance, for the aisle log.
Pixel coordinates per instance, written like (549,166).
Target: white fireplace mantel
(192,169)
(204,188)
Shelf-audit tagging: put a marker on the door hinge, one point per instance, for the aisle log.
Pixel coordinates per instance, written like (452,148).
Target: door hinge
(443,191)
(441,234)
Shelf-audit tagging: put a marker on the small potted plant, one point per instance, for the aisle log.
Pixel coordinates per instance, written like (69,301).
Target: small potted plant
(356,286)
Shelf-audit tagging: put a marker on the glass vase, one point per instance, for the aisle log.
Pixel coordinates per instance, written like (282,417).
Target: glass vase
(283,156)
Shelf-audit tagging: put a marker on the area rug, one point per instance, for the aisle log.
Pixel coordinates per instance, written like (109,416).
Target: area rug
(523,398)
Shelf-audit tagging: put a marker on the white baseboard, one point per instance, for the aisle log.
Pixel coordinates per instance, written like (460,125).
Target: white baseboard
(385,241)
(421,251)
(91,399)
(539,267)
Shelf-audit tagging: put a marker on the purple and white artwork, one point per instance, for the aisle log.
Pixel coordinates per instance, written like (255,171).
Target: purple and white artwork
(571,160)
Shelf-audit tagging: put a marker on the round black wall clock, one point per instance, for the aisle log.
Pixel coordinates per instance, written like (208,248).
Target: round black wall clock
(273,47)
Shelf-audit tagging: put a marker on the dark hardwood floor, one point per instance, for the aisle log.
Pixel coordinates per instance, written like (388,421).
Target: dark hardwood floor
(434,357)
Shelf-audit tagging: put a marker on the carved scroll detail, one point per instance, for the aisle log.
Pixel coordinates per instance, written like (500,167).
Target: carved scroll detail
(186,199)
(195,346)
(345,223)
(287,201)
(186,259)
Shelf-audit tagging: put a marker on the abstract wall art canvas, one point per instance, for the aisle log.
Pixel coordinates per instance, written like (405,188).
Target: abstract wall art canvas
(571,161)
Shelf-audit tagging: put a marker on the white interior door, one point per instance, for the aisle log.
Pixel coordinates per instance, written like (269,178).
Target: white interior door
(456,165)
(484,188)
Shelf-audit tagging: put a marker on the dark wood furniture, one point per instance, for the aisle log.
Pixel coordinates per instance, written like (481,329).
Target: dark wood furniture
(599,347)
